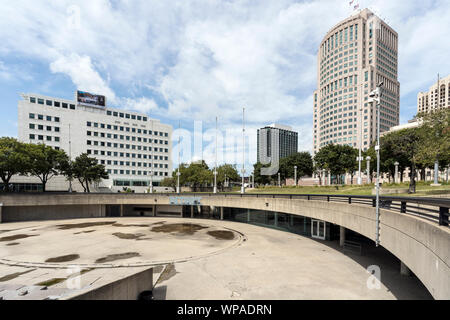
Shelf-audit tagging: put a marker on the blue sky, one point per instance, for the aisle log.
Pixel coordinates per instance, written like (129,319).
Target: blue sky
(193,60)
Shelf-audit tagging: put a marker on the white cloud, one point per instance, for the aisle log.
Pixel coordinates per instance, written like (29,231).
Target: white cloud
(195,59)
(83,74)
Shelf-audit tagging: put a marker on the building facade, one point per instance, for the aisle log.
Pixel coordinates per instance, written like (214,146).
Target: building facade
(354,57)
(130,145)
(435,99)
(275,142)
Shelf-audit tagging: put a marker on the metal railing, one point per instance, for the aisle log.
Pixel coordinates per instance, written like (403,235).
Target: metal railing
(433,209)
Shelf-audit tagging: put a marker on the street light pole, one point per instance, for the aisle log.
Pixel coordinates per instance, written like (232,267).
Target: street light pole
(295,175)
(279,180)
(215,165)
(243,151)
(360,134)
(376,96)
(70,158)
(152,155)
(179,155)
(369,180)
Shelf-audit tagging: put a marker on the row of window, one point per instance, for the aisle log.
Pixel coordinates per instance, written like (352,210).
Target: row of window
(52,103)
(41,127)
(130,155)
(136,172)
(134,164)
(127,138)
(125,115)
(42,117)
(126,146)
(127,129)
(44,138)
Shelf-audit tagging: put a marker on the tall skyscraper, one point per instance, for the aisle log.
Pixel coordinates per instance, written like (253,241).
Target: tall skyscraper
(276,142)
(428,101)
(354,57)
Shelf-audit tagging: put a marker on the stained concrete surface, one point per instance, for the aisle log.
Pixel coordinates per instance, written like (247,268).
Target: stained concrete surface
(257,263)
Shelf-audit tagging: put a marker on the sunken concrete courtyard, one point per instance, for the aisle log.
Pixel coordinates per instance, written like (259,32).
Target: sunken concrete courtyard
(190,259)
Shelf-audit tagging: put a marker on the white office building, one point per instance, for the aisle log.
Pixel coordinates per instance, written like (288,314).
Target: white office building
(130,145)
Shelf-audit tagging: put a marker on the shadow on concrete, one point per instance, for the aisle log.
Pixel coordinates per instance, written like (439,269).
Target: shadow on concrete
(402,287)
(159,292)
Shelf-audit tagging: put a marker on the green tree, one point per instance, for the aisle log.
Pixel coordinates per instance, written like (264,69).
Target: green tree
(435,138)
(405,148)
(45,162)
(168,182)
(261,179)
(226,170)
(87,170)
(302,160)
(337,159)
(194,175)
(13,159)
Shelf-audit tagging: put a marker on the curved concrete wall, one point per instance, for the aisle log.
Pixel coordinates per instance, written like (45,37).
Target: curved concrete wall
(420,244)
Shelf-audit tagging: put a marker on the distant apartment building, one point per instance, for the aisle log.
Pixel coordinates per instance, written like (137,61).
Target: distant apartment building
(275,142)
(130,145)
(353,58)
(435,99)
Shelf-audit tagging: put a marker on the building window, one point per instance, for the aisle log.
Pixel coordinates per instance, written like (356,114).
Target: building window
(40,117)
(72,107)
(32,137)
(49,102)
(40,101)
(49,138)
(56,119)
(31,126)
(33,100)
(57,104)
(31,116)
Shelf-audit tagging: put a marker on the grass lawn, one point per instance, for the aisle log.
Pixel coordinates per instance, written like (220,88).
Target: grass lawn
(422,189)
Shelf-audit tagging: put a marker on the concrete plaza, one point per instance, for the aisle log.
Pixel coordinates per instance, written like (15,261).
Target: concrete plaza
(196,259)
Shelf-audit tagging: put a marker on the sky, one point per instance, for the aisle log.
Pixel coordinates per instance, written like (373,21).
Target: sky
(189,61)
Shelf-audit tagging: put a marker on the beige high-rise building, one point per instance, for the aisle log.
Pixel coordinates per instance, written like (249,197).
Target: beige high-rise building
(428,101)
(354,56)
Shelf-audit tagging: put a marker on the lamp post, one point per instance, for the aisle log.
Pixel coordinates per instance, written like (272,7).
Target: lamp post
(369,181)
(360,158)
(151,172)
(279,180)
(179,156)
(375,96)
(243,151)
(396,164)
(70,158)
(215,165)
(295,175)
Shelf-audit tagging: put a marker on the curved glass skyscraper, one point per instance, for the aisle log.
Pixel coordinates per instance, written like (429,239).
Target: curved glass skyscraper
(354,56)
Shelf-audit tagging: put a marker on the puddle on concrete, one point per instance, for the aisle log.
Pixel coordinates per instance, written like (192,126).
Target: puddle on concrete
(143,239)
(158,223)
(119,256)
(84,225)
(181,228)
(13,244)
(16,237)
(128,236)
(221,234)
(89,231)
(51,282)
(168,273)
(67,258)
(130,225)
(14,275)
